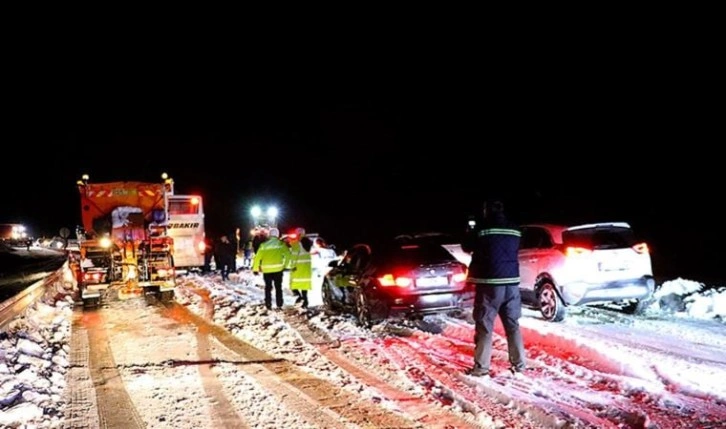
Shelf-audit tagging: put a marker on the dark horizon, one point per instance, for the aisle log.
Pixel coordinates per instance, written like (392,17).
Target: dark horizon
(383,167)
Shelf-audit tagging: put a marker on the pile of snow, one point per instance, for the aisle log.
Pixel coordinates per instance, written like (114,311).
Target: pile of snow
(687,298)
(34,358)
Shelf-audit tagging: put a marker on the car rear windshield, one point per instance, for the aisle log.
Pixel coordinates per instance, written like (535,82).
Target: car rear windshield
(607,237)
(414,254)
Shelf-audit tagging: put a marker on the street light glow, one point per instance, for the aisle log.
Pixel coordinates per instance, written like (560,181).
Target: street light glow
(272,212)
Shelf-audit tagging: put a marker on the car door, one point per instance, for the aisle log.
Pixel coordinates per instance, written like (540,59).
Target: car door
(533,250)
(349,270)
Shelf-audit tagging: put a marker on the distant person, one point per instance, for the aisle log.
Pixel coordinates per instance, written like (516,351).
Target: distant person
(225,252)
(234,241)
(494,271)
(319,244)
(271,259)
(248,253)
(301,270)
(260,236)
(208,255)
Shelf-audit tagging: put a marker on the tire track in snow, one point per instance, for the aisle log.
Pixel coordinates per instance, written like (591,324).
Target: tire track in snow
(319,401)
(421,409)
(626,404)
(443,382)
(523,395)
(114,404)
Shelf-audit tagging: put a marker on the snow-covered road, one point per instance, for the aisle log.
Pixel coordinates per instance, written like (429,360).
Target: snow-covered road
(599,368)
(219,359)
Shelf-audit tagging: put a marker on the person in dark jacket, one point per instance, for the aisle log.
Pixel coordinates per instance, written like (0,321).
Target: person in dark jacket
(225,252)
(494,271)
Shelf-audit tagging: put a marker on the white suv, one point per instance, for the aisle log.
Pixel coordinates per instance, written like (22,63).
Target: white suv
(595,263)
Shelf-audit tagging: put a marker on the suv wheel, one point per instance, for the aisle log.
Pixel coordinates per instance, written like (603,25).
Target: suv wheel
(636,306)
(550,304)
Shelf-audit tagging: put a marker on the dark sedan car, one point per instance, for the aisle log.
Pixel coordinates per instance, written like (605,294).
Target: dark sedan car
(396,279)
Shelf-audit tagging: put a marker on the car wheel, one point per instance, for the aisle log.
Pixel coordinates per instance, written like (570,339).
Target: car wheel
(456,314)
(362,309)
(550,304)
(328,298)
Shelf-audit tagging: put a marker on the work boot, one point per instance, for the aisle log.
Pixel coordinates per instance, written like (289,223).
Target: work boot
(517,372)
(477,372)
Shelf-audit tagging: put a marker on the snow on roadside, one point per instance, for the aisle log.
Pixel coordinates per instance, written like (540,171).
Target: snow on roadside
(34,357)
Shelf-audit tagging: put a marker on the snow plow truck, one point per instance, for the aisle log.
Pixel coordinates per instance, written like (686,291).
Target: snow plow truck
(124,248)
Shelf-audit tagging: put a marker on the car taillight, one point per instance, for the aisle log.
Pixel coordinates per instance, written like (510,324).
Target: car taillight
(459,277)
(201,246)
(577,251)
(92,276)
(641,248)
(391,280)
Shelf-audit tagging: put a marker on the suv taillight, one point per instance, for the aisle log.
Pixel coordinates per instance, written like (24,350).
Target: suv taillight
(577,251)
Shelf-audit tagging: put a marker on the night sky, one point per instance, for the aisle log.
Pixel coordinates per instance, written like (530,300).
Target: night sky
(381,165)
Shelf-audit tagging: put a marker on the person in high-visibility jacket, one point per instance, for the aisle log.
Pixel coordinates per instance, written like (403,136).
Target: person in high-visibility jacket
(301,269)
(271,259)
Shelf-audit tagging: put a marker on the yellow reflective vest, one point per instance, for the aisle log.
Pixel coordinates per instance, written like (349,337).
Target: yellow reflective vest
(273,256)
(301,274)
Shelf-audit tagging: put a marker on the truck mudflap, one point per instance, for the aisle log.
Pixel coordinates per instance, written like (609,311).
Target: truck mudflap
(93,295)
(144,288)
(93,291)
(162,290)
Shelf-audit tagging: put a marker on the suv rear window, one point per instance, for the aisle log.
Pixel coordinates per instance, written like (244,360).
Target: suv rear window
(607,237)
(414,254)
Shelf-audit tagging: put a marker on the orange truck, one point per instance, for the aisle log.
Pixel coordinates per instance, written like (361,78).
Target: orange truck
(124,245)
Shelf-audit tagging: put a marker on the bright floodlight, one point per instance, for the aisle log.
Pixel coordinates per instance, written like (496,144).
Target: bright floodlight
(164,176)
(84,177)
(272,212)
(256,212)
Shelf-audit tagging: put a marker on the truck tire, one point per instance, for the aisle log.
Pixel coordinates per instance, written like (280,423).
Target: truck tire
(166,296)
